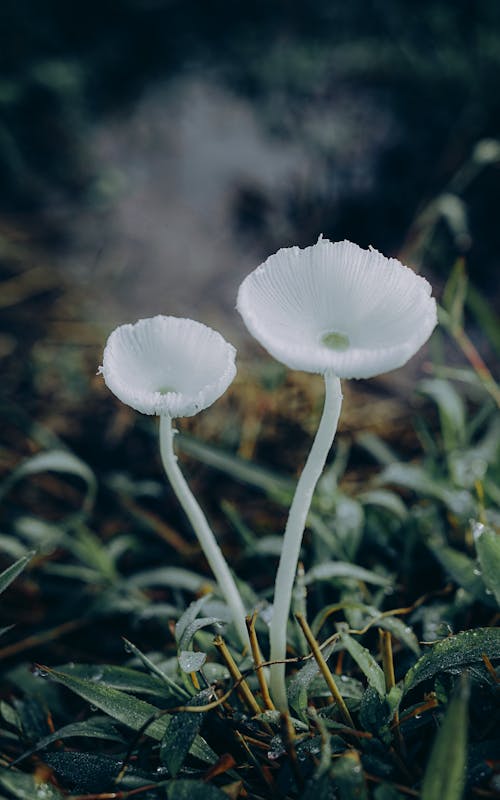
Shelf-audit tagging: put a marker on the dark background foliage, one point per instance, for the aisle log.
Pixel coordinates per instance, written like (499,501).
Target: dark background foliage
(426,71)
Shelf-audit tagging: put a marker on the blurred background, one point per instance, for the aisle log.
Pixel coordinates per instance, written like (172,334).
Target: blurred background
(152,152)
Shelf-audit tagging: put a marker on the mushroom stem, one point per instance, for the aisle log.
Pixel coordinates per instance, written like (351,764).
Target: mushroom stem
(206,538)
(293,535)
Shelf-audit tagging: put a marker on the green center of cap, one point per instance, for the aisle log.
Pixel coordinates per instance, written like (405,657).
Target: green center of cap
(335,340)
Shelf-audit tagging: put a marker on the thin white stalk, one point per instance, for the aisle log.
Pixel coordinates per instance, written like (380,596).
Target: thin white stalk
(293,535)
(206,538)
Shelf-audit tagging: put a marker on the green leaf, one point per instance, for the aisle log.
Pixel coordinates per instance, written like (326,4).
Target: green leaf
(299,684)
(94,772)
(348,777)
(237,468)
(454,294)
(193,790)
(376,447)
(173,577)
(383,498)
(94,728)
(413,477)
(173,688)
(444,777)
(130,711)
(186,619)
(487,544)
(125,679)
(348,523)
(194,627)
(375,714)
(365,662)
(342,569)
(453,654)
(89,548)
(55,461)
(451,410)
(10,715)
(462,569)
(400,630)
(25,787)
(12,546)
(190,661)
(485,316)
(11,573)
(181,733)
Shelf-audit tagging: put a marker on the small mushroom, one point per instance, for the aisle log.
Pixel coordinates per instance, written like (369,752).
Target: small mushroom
(174,367)
(344,312)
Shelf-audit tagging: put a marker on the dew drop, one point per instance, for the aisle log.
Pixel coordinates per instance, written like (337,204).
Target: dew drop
(39,673)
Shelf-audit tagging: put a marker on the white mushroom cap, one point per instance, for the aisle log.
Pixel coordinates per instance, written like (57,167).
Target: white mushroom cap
(168,365)
(336,307)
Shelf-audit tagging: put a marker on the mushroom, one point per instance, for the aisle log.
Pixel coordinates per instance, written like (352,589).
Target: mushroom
(344,312)
(173,367)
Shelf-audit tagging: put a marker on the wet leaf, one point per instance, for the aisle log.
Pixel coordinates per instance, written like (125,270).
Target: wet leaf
(190,661)
(365,662)
(130,711)
(341,569)
(181,733)
(462,569)
(25,787)
(11,573)
(453,654)
(487,543)
(94,728)
(299,684)
(172,687)
(193,628)
(444,777)
(93,772)
(348,777)
(188,617)
(125,679)
(400,630)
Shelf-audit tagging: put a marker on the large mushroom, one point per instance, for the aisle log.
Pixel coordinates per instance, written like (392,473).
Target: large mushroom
(344,312)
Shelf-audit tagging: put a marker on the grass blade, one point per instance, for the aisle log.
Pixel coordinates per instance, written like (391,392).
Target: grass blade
(444,777)
(11,573)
